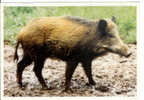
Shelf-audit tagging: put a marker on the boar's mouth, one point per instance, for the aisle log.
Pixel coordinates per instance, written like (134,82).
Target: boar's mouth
(118,52)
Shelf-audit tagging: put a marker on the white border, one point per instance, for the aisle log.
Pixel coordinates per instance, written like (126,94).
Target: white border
(69,98)
(62,1)
(0,47)
(1,44)
(140,54)
(72,4)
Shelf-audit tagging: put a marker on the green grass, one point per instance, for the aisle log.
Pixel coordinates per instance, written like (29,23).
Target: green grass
(16,17)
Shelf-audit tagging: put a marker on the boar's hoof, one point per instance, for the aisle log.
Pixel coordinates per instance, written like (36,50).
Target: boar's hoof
(91,83)
(20,85)
(23,86)
(45,88)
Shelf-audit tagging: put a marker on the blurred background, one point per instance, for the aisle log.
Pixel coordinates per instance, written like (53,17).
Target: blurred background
(16,17)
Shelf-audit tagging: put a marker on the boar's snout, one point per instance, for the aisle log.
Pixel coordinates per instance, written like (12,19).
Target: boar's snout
(124,51)
(111,39)
(128,54)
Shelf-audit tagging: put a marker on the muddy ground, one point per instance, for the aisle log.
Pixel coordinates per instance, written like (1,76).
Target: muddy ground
(114,76)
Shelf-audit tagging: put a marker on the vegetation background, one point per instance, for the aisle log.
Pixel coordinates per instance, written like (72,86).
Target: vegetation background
(16,17)
(114,75)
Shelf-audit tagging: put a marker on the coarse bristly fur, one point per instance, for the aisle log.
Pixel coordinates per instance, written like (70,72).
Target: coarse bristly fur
(71,39)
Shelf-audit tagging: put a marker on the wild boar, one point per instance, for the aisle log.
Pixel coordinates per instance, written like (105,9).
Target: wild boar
(71,39)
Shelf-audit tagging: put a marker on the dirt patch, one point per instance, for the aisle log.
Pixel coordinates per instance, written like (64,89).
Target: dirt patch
(114,76)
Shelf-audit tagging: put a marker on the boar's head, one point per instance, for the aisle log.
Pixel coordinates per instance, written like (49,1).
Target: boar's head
(110,38)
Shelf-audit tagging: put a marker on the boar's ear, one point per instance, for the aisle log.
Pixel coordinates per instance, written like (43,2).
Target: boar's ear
(102,26)
(113,19)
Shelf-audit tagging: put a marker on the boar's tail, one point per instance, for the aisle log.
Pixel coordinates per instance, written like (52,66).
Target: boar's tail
(16,55)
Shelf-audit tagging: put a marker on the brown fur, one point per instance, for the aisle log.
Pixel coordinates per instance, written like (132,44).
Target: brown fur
(41,30)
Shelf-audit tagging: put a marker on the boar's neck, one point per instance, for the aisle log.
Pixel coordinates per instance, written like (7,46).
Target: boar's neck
(88,51)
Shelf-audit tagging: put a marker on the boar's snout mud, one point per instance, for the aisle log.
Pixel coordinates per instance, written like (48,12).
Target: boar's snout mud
(71,39)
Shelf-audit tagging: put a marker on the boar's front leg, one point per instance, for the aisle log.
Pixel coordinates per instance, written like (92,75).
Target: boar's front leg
(38,66)
(87,68)
(70,68)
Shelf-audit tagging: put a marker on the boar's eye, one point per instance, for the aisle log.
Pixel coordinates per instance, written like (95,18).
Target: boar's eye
(102,26)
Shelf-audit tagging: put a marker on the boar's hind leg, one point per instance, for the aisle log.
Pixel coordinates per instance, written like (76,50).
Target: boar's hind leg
(26,60)
(38,66)
(71,66)
(88,71)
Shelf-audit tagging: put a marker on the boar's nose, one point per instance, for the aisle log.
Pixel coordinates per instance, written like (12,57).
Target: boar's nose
(128,54)
(125,51)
